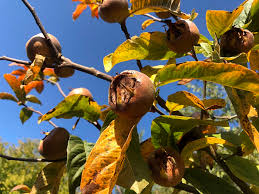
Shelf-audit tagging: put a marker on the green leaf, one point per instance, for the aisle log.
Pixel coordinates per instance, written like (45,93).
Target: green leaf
(148,46)
(135,174)
(48,179)
(151,71)
(7,96)
(241,20)
(15,84)
(77,153)
(32,98)
(208,183)
(166,130)
(227,74)
(25,114)
(218,22)
(244,169)
(204,48)
(254,25)
(75,106)
(108,119)
(246,144)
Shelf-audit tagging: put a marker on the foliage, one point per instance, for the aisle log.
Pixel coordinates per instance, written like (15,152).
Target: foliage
(219,146)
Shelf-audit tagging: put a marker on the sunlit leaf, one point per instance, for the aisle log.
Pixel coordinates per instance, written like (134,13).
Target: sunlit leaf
(212,104)
(135,174)
(241,20)
(25,114)
(38,85)
(166,130)
(227,74)
(253,26)
(204,48)
(22,188)
(16,86)
(146,23)
(94,10)
(208,183)
(48,179)
(19,72)
(218,22)
(107,157)
(33,99)
(148,46)
(74,106)
(244,169)
(83,5)
(49,72)
(7,96)
(79,9)
(201,143)
(151,71)
(77,153)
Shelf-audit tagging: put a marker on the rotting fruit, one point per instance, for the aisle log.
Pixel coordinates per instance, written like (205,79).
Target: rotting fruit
(38,45)
(54,145)
(131,94)
(182,36)
(64,71)
(167,166)
(236,41)
(114,11)
(82,91)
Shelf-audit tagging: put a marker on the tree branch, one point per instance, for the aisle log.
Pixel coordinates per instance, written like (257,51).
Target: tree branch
(58,86)
(4,58)
(54,50)
(30,159)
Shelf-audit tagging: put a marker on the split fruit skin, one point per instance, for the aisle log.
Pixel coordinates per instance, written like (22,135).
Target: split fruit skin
(82,91)
(167,166)
(182,36)
(64,72)
(54,145)
(114,11)
(131,94)
(236,41)
(38,45)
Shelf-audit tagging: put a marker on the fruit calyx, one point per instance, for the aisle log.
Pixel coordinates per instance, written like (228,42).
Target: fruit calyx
(167,166)
(114,11)
(182,36)
(131,94)
(236,41)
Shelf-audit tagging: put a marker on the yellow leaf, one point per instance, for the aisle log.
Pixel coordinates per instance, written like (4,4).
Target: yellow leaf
(79,9)
(146,23)
(106,159)
(218,22)
(212,104)
(201,143)
(253,57)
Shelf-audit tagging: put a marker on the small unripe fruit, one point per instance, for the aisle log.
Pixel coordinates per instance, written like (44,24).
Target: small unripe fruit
(114,11)
(182,36)
(163,14)
(54,145)
(236,41)
(82,91)
(64,71)
(131,94)
(167,167)
(38,45)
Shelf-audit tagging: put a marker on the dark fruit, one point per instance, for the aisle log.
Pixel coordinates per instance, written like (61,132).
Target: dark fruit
(64,71)
(182,36)
(163,14)
(54,145)
(167,166)
(236,41)
(38,45)
(114,11)
(82,91)
(131,94)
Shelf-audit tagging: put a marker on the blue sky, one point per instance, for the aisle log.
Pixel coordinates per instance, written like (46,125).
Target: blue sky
(85,41)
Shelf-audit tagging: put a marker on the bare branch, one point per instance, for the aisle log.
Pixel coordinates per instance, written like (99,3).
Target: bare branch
(4,58)
(30,159)
(58,86)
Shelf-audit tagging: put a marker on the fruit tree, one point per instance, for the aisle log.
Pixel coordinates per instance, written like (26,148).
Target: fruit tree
(193,144)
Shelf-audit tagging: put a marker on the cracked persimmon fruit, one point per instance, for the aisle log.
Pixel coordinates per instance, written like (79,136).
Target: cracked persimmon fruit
(114,11)
(54,145)
(131,94)
(167,166)
(64,71)
(82,91)
(236,41)
(38,45)
(182,36)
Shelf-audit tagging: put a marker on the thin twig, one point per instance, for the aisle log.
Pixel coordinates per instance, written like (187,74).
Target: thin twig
(58,86)
(4,58)
(42,29)
(118,189)
(185,187)
(30,159)
(154,18)
(38,112)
